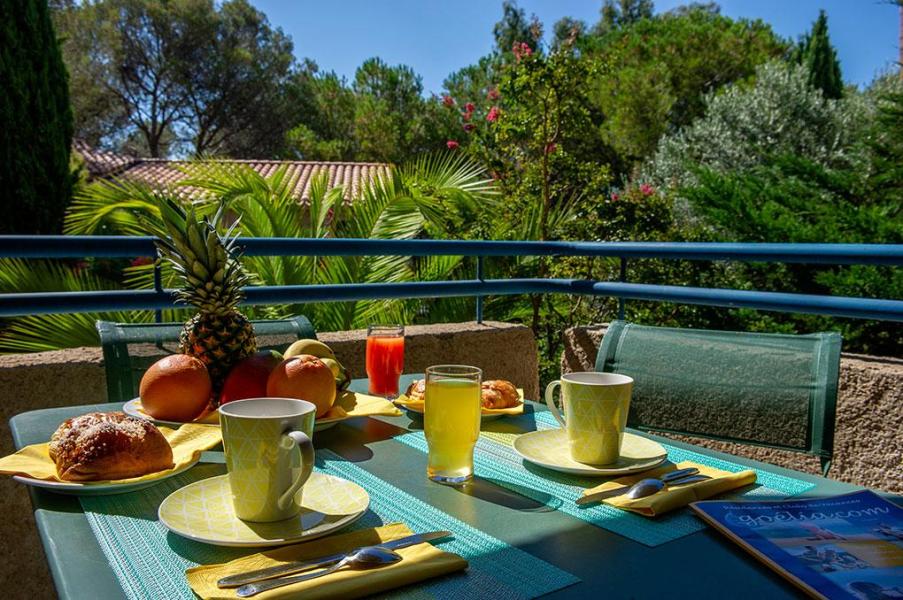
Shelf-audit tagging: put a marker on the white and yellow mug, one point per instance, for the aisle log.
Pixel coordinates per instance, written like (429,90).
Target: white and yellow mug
(595,413)
(269,455)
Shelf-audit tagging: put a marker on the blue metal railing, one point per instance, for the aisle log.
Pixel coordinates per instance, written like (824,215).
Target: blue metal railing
(822,254)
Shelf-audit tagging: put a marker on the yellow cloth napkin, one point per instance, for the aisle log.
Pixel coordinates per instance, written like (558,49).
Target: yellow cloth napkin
(420,562)
(352,404)
(188,441)
(678,496)
(417,405)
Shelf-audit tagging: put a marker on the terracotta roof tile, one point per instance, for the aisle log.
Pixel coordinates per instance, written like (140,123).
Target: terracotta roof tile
(164,173)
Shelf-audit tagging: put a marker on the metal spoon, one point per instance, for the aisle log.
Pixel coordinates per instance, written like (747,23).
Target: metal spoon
(362,558)
(648,487)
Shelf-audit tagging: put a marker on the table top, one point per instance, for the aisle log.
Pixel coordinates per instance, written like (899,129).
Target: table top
(702,565)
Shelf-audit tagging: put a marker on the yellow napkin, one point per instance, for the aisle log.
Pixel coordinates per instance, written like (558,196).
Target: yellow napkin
(352,404)
(675,497)
(422,561)
(417,405)
(188,441)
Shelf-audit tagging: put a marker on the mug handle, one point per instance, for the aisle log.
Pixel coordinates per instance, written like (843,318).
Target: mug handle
(306,446)
(550,401)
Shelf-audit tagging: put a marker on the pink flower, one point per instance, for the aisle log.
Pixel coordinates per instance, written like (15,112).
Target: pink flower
(448,101)
(521,50)
(615,196)
(469,107)
(452,144)
(550,148)
(466,116)
(142,260)
(469,126)
(493,94)
(493,115)
(646,189)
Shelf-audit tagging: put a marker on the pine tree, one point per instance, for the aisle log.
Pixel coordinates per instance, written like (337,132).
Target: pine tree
(35,121)
(820,58)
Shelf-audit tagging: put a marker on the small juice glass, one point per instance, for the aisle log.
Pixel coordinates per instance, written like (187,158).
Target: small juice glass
(385,359)
(451,421)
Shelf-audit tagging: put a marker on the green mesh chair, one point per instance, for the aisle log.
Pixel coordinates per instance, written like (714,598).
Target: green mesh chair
(129,349)
(764,389)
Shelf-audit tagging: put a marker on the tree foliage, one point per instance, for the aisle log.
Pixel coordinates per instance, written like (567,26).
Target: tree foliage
(616,14)
(186,76)
(35,121)
(816,53)
(663,69)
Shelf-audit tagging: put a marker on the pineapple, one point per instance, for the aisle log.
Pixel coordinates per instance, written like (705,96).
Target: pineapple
(212,280)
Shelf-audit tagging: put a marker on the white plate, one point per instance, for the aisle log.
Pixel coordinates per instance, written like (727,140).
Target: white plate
(74,488)
(203,512)
(133,408)
(549,448)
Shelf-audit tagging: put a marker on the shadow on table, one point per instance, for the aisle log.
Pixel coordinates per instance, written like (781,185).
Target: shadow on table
(521,498)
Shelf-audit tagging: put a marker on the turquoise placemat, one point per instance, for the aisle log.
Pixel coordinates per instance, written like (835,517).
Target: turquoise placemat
(498,462)
(150,562)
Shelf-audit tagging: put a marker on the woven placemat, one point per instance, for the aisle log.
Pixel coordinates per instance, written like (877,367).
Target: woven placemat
(150,562)
(496,460)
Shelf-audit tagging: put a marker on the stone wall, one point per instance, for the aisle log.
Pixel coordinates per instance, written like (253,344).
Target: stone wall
(76,376)
(868,445)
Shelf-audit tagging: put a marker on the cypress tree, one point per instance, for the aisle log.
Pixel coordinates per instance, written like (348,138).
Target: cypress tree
(35,121)
(820,58)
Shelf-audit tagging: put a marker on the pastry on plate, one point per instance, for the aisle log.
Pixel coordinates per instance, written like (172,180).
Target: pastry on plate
(494,393)
(499,393)
(108,445)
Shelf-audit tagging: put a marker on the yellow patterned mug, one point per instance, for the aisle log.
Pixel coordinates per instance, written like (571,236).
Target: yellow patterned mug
(595,413)
(269,455)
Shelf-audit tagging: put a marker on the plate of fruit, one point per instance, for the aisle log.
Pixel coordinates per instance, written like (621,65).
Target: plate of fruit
(178,388)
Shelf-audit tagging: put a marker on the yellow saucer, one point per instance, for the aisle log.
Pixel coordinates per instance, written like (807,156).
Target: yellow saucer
(549,448)
(203,512)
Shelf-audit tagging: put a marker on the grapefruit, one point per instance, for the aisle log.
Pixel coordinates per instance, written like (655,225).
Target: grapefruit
(305,377)
(248,378)
(175,388)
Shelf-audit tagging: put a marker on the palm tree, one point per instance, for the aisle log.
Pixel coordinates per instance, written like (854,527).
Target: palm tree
(419,199)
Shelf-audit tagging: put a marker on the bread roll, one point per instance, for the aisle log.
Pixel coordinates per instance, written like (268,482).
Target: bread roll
(101,446)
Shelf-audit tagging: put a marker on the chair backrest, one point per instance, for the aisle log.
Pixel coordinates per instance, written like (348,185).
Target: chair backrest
(765,389)
(130,348)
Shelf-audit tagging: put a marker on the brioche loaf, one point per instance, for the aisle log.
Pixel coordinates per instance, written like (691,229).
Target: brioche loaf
(103,446)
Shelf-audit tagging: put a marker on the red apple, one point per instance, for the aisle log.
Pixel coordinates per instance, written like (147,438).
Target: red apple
(248,378)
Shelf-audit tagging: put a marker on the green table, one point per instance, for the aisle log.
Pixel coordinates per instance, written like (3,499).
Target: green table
(701,565)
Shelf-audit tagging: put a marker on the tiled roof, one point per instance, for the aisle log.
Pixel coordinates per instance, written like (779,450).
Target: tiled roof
(162,172)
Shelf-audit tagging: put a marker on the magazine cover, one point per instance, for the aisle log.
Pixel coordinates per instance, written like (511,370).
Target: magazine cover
(848,546)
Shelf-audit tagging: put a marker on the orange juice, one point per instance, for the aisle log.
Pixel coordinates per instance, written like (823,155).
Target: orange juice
(451,424)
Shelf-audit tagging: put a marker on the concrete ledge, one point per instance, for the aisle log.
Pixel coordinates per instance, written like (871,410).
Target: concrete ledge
(868,447)
(76,376)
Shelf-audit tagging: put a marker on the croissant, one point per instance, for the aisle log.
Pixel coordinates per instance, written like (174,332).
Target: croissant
(102,446)
(494,393)
(498,393)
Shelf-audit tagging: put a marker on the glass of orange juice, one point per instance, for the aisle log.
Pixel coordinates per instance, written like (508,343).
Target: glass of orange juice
(451,421)
(385,359)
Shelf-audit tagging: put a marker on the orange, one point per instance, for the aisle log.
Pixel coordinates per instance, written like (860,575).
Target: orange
(305,377)
(175,388)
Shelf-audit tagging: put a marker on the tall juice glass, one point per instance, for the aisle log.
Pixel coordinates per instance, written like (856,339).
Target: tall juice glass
(385,359)
(451,421)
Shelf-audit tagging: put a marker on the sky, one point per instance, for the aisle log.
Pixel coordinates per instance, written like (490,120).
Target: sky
(438,37)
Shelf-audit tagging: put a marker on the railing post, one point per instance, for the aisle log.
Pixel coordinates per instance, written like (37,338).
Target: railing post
(623,278)
(158,285)
(479,298)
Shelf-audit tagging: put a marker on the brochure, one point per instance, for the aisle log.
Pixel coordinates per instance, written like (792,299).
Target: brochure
(848,547)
